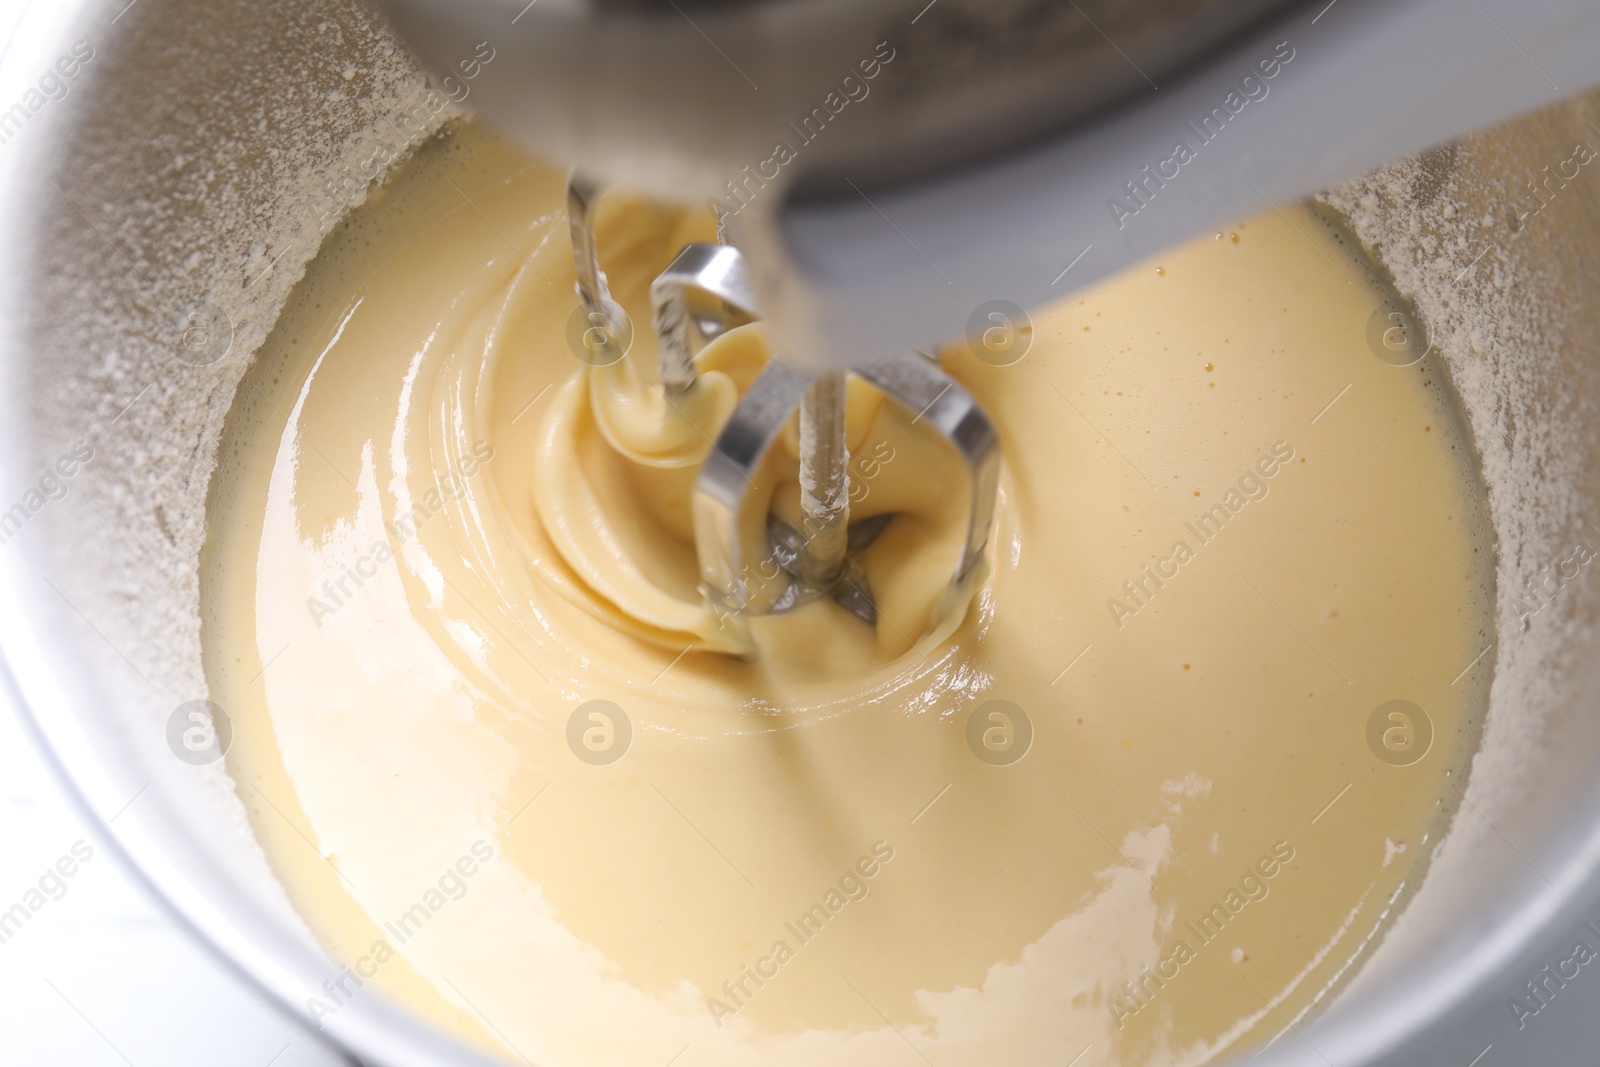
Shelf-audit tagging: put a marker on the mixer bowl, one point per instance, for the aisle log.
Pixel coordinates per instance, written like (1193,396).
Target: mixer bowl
(160,202)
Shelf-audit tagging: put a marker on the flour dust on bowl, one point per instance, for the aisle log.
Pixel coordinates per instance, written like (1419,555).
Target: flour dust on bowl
(376,615)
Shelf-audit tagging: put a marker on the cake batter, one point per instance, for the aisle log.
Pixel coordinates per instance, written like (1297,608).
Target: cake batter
(495,748)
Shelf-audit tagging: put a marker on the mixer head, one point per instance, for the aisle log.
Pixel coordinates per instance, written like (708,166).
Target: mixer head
(685,99)
(889,166)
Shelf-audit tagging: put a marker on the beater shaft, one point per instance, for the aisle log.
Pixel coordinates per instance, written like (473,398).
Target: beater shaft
(605,315)
(824,480)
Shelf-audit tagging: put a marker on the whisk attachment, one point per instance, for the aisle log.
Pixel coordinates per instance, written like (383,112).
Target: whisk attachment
(705,292)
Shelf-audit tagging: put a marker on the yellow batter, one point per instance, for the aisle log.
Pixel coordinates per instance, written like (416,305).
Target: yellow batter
(1228,533)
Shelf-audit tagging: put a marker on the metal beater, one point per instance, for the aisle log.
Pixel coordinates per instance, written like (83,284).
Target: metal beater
(702,294)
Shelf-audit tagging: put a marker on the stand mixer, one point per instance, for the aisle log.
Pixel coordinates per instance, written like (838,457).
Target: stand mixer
(1020,210)
(934,128)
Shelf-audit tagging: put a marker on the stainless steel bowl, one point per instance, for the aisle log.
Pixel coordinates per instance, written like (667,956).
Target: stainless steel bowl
(160,201)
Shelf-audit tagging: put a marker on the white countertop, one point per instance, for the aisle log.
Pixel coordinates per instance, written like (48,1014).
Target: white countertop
(102,975)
